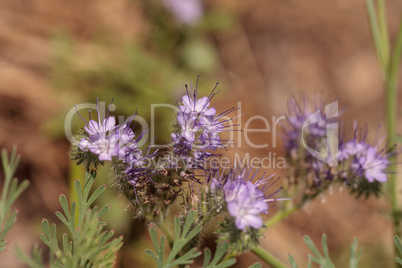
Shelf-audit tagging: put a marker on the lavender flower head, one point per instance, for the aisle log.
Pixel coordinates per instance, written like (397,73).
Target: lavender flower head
(186,11)
(198,127)
(365,160)
(102,138)
(245,200)
(298,114)
(107,140)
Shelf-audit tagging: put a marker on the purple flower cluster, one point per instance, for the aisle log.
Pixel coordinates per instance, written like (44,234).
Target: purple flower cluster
(245,200)
(107,140)
(198,128)
(357,160)
(102,139)
(364,160)
(298,114)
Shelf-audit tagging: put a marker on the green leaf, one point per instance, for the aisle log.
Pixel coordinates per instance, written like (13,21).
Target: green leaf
(292,262)
(96,194)
(87,244)
(153,255)
(354,255)
(65,243)
(64,205)
(383,29)
(63,219)
(104,210)
(35,262)
(78,189)
(207,257)
(398,243)
(324,246)
(376,35)
(181,238)
(325,261)
(255,265)
(312,246)
(11,191)
(45,227)
(221,250)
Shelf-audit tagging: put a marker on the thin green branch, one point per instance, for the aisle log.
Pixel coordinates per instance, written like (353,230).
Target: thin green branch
(390,67)
(267,257)
(383,30)
(282,214)
(375,31)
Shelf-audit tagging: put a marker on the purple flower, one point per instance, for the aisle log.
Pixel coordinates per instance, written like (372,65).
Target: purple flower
(126,140)
(353,148)
(106,139)
(298,114)
(186,11)
(198,128)
(94,128)
(188,125)
(374,165)
(104,146)
(102,139)
(245,203)
(193,106)
(245,200)
(366,160)
(182,146)
(363,159)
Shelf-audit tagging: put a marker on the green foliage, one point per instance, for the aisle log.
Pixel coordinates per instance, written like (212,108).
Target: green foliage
(11,191)
(389,60)
(239,241)
(221,249)
(255,265)
(181,238)
(325,261)
(87,244)
(354,254)
(293,263)
(398,245)
(86,158)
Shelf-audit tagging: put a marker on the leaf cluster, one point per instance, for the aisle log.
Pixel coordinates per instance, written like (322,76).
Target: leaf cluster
(87,244)
(11,191)
(183,234)
(324,261)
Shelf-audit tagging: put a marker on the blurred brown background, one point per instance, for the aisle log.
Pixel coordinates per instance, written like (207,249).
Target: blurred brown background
(54,54)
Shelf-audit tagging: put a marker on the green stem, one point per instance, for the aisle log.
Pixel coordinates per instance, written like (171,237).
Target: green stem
(391,109)
(267,257)
(167,233)
(282,214)
(76,172)
(391,106)
(390,65)
(259,251)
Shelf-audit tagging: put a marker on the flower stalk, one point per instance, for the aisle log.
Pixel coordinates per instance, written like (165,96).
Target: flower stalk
(389,62)
(282,215)
(267,257)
